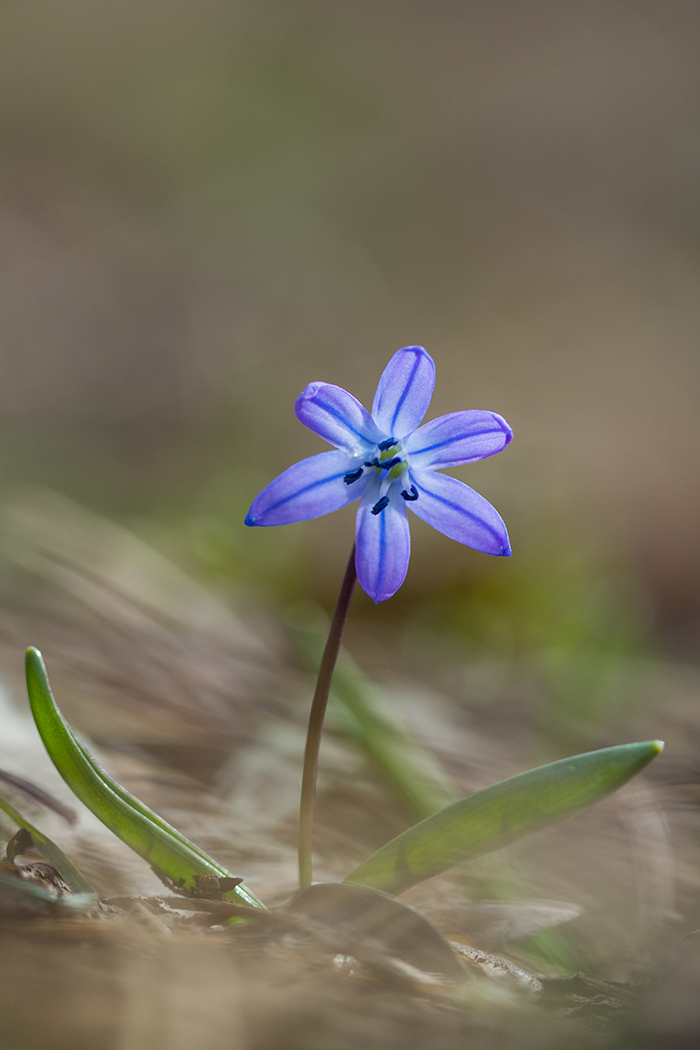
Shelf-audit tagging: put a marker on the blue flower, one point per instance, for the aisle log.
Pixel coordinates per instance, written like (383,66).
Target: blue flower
(389,462)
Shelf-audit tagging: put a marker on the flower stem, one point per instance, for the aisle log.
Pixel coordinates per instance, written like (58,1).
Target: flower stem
(316,715)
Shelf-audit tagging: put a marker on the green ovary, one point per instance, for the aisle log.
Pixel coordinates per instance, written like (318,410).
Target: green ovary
(399,469)
(389,453)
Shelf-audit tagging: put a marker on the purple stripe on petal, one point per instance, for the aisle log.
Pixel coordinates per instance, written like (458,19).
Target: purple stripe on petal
(383,544)
(310,488)
(459,512)
(337,416)
(460,437)
(404,391)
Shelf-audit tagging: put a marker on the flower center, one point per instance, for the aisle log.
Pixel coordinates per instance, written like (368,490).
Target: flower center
(388,463)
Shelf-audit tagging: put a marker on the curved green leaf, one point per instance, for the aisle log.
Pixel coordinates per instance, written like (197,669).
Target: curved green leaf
(500,814)
(160,844)
(74,879)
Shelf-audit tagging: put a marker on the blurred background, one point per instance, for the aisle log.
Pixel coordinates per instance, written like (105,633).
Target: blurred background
(206,205)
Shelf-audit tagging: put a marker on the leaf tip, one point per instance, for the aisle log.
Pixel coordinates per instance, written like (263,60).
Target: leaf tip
(34,662)
(35,670)
(647,751)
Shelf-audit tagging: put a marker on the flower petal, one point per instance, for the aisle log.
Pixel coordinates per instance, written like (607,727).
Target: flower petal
(404,392)
(309,489)
(460,437)
(337,416)
(383,544)
(461,513)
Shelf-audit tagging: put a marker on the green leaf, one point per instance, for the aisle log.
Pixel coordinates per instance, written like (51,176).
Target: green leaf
(73,878)
(500,814)
(160,844)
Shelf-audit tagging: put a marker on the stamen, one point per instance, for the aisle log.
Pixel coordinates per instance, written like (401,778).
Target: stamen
(386,444)
(380,505)
(353,475)
(389,463)
(410,496)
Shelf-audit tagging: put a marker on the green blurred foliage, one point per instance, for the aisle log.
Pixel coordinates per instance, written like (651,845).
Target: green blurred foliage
(221,546)
(562,617)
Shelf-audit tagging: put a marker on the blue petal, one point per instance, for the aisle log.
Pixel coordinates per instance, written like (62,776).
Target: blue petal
(404,391)
(460,437)
(309,489)
(460,512)
(337,416)
(383,544)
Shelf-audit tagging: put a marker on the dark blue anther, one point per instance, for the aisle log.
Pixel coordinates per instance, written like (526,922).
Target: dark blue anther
(380,505)
(389,463)
(387,444)
(353,475)
(410,496)
(373,462)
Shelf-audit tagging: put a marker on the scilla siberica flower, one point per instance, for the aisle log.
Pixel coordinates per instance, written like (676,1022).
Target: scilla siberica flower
(389,462)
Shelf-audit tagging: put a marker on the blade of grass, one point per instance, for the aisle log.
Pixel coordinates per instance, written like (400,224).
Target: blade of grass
(39,794)
(160,844)
(501,814)
(411,773)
